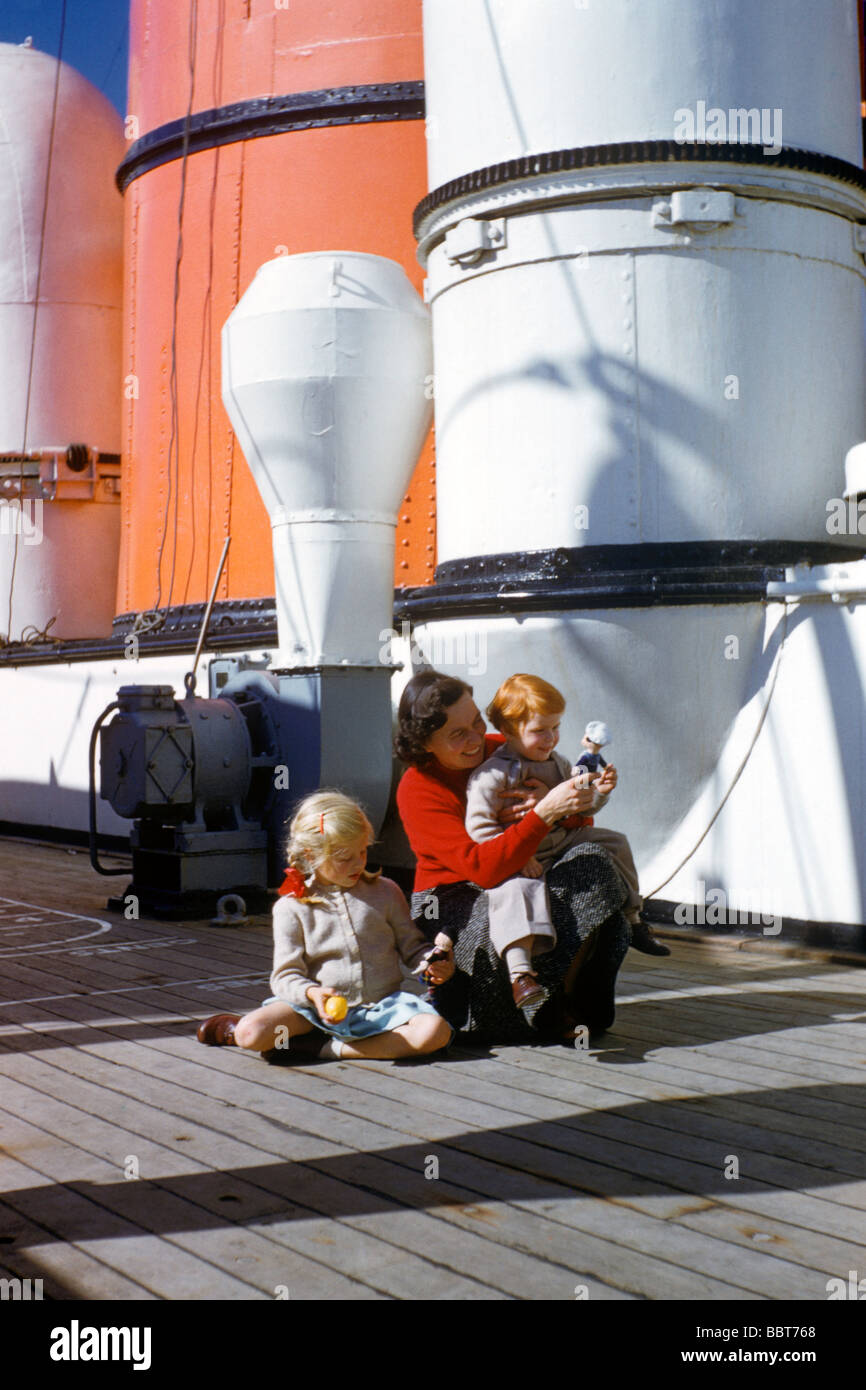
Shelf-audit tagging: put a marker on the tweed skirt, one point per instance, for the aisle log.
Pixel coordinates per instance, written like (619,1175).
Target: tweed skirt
(578,976)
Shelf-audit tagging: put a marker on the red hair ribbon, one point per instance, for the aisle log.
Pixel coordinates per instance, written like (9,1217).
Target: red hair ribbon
(293,885)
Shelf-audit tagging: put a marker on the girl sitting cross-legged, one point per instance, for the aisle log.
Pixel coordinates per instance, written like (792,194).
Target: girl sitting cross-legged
(345,935)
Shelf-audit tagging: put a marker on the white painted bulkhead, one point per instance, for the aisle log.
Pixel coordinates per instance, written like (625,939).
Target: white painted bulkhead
(48,714)
(661,353)
(682,691)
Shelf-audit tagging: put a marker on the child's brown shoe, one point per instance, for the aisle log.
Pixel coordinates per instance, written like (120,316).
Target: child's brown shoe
(526,990)
(218,1030)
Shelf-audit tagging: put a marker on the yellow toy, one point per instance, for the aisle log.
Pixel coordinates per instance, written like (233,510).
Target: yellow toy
(336,1008)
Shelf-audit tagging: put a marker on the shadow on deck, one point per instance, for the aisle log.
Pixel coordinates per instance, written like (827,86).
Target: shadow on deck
(712,1148)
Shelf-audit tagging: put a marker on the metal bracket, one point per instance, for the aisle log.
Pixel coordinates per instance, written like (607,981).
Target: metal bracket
(700,208)
(472,238)
(47,475)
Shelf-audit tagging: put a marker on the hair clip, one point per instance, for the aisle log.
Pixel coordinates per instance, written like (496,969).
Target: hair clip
(322,823)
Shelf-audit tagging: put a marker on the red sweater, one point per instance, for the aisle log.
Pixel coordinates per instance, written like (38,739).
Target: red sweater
(432,805)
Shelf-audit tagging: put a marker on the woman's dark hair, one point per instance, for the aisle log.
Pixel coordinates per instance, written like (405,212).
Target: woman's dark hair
(424,707)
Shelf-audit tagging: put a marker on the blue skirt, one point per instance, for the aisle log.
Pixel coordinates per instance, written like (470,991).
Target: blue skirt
(365,1020)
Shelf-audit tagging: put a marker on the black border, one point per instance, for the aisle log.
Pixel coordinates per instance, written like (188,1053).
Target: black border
(259,116)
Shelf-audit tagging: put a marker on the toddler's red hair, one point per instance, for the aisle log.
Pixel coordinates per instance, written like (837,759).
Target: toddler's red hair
(519,698)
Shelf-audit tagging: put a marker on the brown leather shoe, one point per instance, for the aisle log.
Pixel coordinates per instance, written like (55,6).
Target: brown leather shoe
(526,990)
(218,1030)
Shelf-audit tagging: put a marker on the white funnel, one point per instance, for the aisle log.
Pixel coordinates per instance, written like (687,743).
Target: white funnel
(325,361)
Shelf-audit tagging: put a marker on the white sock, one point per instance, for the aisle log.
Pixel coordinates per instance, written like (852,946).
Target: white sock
(333,1048)
(518,962)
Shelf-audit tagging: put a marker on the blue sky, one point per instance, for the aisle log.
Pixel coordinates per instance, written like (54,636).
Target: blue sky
(96,37)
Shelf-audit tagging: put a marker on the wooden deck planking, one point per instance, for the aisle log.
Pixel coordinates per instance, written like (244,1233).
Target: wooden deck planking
(356,1077)
(663,1275)
(64,1267)
(68,1216)
(240,1086)
(270,1073)
(230,1260)
(790,1004)
(393,1266)
(777,1034)
(88,969)
(556,1167)
(794,1109)
(719,1057)
(511,1089)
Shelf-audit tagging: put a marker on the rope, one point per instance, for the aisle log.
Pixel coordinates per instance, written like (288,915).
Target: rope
(150,621)
(174,443)
(8,638)
(37,635)
(739,771)
(206,352)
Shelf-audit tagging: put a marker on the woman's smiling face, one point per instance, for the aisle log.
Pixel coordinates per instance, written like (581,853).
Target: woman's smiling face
(459,744)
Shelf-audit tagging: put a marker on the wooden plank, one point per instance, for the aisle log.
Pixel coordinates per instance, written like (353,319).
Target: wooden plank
(163,1267)
(782,1007)
(522,1273)
(601,1089)
(512,1139)
(710,1288)
(59,972)
(793,1109)
(814,1250)
(665,1123)
(62,1088)
(708,1019)
(395,1268)
(66,1271)
(353,1070)
(111,1203)
(740,1060)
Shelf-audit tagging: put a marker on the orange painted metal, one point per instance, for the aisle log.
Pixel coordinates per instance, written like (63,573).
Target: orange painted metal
(186,483)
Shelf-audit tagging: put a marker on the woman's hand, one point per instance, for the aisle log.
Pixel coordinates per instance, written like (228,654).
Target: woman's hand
(317,994)
(566,799)
(526,798)
(532,869)
(607,781)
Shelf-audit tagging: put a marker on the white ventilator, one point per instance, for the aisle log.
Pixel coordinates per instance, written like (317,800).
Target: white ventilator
(325,365)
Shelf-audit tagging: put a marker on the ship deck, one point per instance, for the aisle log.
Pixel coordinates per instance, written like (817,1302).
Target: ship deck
(711,1149)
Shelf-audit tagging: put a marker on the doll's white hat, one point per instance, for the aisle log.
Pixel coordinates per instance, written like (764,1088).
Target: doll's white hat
(597,732)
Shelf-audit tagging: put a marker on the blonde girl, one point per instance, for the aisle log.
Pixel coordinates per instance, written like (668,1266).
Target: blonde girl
(340,931)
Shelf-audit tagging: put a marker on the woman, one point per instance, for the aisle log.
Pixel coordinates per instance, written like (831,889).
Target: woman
(441,735)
